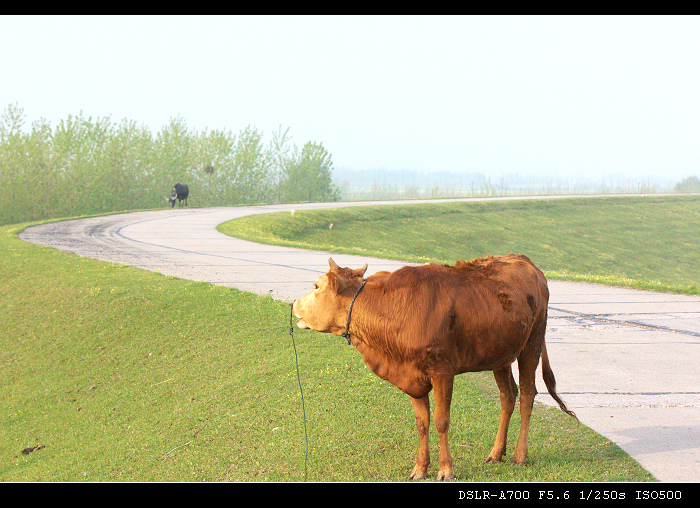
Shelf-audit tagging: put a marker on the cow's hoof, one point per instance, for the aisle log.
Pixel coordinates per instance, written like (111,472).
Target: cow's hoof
(493,460)
(446,475)
(419,472)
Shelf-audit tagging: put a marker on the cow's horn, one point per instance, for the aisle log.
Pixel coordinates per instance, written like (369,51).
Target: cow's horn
(333,265)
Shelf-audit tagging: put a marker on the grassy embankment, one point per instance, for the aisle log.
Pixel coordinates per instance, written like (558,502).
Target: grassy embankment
(648,242)
(123,374)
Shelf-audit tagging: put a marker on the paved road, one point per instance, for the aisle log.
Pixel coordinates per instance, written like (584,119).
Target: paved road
(626,361)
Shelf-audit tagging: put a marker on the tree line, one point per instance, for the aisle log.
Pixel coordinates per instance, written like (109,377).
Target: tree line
(90,166)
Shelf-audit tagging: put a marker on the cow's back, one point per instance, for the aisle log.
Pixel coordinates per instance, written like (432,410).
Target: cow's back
(516,297)
(472,316)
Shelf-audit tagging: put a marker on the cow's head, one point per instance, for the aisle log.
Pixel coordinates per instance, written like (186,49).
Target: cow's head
(325,308)
(172,198)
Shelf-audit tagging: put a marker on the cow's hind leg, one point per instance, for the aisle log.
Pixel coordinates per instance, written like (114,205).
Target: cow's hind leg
(422,410)
(509,391)
(527,364)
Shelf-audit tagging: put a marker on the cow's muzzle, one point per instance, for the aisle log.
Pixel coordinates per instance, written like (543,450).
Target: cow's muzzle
(300,321)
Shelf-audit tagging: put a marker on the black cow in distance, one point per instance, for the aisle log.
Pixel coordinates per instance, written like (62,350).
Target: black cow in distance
(179,193)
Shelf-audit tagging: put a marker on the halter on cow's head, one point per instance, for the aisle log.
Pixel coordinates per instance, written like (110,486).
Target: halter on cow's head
(326,308)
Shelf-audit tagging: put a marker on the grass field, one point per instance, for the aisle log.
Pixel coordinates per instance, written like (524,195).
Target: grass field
(650,242)
(111,373)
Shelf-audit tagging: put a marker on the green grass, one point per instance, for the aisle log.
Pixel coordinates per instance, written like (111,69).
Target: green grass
(122,374)
(648,242)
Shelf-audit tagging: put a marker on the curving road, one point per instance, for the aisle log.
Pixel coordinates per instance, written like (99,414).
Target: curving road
(625,360)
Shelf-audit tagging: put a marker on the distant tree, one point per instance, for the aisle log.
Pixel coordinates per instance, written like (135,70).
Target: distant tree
(13,188)
(128,168)
(690,184)
(251,164)
(280,160)
(173,162)
(211,160)
(40,164)
(309,178)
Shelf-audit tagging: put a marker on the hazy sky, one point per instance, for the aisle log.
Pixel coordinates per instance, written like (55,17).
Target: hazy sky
(558,96)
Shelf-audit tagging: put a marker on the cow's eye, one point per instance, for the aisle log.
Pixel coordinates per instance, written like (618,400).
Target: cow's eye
(315,286)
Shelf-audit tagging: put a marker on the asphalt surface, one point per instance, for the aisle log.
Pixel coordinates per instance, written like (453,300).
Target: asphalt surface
(625,360)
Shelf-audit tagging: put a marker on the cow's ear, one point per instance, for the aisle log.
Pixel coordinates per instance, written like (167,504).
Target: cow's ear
(337,282)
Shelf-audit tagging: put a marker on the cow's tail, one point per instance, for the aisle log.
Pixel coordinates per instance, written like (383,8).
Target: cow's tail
(551,383)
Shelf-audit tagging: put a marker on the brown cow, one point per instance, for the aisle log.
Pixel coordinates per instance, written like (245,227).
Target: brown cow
(418,327)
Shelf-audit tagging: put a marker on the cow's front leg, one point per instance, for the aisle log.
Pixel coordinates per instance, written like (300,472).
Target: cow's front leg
(443,398)
(422,410)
